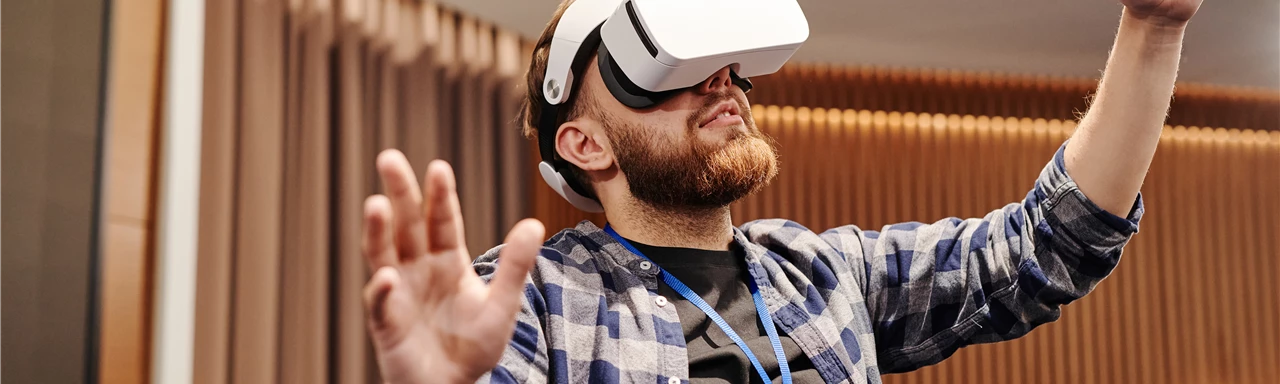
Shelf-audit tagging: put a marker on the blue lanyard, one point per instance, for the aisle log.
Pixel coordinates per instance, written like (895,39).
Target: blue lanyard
(697,301)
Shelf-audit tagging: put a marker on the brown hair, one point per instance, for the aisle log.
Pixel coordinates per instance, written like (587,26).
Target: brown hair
(531,110)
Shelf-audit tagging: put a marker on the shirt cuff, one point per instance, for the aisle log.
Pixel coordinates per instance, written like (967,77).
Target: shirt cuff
(1061,198)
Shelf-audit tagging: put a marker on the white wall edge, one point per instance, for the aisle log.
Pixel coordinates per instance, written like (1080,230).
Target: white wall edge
(177,227)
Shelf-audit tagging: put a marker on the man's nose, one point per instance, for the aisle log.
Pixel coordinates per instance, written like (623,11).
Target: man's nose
(716,83)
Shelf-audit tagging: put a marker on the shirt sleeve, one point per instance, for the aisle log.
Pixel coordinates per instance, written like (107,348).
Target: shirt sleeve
(933,288)
(525,358)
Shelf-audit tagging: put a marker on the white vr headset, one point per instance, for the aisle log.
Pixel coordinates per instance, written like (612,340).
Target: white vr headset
(649,50)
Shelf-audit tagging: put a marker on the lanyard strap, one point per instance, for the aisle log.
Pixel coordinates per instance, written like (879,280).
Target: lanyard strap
(761,309)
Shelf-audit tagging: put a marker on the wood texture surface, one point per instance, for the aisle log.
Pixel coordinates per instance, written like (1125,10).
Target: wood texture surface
(820,85)
(129,197)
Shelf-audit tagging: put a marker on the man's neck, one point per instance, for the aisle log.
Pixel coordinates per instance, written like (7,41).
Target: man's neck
(710,229)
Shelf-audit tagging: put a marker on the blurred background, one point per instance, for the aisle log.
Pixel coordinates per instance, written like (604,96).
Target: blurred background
(183,179)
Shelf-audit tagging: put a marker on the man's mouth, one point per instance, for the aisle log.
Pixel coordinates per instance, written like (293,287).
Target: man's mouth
(725,114)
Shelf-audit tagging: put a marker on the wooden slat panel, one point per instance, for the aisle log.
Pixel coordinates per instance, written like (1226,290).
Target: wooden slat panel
(818,85)
(133,116)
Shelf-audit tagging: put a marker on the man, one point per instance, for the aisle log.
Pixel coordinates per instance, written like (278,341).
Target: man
(844,305)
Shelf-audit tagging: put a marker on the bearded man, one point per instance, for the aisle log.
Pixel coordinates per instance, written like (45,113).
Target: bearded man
(671,292)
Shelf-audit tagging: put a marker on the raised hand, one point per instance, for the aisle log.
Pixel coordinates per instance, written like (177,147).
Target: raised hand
(432,319)
(1164,11)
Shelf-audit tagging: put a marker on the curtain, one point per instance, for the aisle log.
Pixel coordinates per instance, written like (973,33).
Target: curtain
(300,97)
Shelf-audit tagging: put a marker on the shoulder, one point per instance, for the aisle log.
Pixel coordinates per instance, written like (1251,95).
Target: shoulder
(573,259)
(571,247)
(789,237)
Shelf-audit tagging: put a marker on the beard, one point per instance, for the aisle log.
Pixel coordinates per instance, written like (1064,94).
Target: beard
(689,172)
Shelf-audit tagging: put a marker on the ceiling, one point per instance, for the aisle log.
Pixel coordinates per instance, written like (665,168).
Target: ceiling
(1230,42)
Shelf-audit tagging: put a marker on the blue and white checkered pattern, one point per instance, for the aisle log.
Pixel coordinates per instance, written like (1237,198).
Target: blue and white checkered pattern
(858,303)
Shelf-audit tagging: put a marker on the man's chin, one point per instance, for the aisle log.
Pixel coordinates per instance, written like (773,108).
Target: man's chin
(745,166)
(716,169)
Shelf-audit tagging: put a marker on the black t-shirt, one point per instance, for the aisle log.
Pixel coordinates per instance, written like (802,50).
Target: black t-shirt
(720,278)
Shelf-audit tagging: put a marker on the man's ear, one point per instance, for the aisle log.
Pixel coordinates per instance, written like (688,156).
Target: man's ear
(579,143)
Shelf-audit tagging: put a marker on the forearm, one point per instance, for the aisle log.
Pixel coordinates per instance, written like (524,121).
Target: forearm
(1113,146)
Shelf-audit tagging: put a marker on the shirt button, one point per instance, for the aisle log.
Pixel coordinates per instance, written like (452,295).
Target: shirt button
(673,380)
(645,265)
(662,302)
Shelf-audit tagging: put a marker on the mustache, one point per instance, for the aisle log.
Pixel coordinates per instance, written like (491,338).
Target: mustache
(709,103)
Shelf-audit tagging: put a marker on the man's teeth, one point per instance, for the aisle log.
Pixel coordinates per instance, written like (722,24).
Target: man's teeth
(724,114)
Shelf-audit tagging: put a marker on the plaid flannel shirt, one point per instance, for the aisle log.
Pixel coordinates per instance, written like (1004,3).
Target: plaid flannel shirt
(858,303)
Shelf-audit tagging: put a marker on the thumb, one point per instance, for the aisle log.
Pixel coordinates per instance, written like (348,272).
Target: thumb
(514,262)
(388,306)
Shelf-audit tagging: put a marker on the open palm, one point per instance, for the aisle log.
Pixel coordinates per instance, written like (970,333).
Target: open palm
(1177,11)
(431,317)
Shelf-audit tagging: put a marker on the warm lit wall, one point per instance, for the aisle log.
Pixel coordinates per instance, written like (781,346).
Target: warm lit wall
(997,94)
(1193,300)
(133,121)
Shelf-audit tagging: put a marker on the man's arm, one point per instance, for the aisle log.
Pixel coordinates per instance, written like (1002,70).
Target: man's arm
(1113,146)
(933,288)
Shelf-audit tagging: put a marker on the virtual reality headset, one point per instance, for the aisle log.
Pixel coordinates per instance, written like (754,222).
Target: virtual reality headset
(650,50)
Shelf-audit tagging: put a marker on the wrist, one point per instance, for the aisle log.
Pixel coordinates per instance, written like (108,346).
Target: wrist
(429,372)
(1153,24)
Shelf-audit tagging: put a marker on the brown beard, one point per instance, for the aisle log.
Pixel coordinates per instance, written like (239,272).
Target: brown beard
(691,173)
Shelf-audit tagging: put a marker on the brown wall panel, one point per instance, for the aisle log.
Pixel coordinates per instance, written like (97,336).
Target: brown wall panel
(54,127)
(821,85)
(133,117)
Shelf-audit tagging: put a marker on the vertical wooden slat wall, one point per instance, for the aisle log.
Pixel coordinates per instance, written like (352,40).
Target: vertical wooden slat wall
(1191,302)
(819,85)
(301,96)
